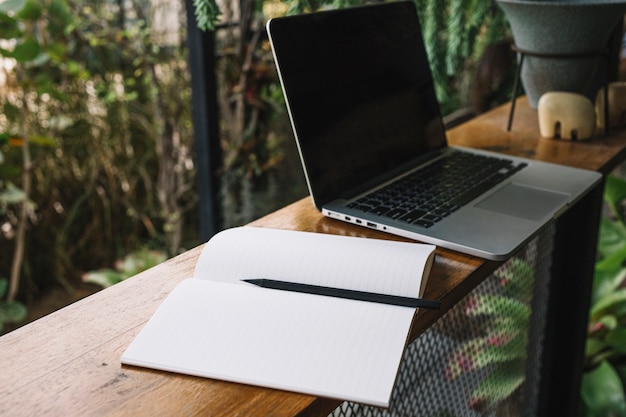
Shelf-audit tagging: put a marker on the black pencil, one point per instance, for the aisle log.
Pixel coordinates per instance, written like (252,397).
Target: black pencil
(343,293)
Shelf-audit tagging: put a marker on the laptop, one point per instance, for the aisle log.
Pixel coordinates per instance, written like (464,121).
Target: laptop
(365,116)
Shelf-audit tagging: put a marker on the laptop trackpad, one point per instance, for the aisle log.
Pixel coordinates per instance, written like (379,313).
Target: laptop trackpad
(525,202)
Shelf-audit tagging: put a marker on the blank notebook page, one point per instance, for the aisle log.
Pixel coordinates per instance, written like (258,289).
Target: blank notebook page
(372,265)
(348,349)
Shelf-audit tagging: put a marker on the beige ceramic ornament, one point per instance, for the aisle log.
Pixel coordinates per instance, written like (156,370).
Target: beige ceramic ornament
(564,115)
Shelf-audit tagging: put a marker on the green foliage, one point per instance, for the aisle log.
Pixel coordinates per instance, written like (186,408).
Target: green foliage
(456,33)
(602,390)
(207,14)
(501,350)
(10,194)
(107,112)
(455,36)
(130,265)
(10,311)
(250,100)
(499,385)
(32,79)
(31,10)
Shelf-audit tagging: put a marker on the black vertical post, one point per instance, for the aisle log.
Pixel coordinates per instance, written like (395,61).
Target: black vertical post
(615,49)
(569,298)
(205,123)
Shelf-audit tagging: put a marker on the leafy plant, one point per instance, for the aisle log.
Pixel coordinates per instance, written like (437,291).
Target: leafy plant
(38,59)
(501,350)
(249,95)
(207,13)
(602,389)
(503,346)
(456,33)
(130,265)
(10,194)
(10,311)
(95,137)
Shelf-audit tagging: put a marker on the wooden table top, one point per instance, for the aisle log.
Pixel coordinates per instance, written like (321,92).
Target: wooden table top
(68,363)
(602,153)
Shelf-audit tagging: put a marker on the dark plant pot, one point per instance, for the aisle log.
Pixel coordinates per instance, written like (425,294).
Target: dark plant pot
(576,28)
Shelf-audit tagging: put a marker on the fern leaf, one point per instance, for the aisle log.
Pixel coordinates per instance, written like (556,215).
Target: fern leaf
(207,14)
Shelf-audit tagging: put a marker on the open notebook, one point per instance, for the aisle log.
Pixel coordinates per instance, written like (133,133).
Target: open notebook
(214,325)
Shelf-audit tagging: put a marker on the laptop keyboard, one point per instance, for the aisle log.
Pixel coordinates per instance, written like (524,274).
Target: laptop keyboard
(432,193)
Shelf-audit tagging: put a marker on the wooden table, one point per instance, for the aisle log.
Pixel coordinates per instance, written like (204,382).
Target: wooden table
(68,363)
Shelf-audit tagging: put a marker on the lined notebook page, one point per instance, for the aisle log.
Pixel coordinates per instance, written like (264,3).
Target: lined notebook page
(323,346)
(373,265)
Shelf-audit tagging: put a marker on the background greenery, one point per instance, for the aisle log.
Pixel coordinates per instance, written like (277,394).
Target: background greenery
(95,138)
(605,357)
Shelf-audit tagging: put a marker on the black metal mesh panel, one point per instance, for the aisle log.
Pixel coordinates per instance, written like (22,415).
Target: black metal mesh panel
(482,357)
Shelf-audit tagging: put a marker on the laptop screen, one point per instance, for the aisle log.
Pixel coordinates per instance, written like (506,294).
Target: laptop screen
(359,92)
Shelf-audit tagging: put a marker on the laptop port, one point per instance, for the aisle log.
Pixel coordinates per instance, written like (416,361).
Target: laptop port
(370,224)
